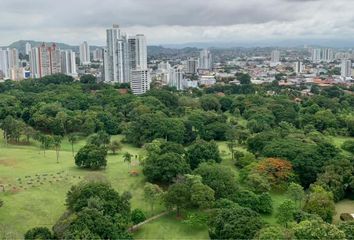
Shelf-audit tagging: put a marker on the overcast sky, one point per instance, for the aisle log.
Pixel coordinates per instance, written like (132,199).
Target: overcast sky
(176,21)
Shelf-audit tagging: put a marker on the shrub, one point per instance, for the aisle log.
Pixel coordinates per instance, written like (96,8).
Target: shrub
(38,233)
(348,146)
(137,216)
(91,156)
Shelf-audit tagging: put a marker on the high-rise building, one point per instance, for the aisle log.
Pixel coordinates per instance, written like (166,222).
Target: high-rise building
(346,68)
(140,81)
(98,55)
(137,52)
(45,61)
(9,61)
(116,59)
(28,48)
(176,77)
(85,53)
(275,57)
(327,55)
(68,63)
(205,59)
(192,66)
(298,67)
(316,55)
(4,64)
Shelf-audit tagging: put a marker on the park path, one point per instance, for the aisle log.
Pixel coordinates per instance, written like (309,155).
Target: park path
(137,226)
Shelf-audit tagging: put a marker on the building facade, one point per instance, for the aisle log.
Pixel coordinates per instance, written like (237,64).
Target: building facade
(85,53)
(45,60)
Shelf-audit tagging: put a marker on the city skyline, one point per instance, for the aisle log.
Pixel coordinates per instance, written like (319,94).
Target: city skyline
(167,22)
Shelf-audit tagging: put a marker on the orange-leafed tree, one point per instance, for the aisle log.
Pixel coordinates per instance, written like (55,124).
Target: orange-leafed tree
(276,170)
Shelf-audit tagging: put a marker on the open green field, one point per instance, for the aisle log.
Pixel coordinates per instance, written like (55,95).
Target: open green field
(36,186)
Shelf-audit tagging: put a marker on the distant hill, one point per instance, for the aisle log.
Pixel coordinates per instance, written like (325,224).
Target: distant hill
(21,45)
(153,51)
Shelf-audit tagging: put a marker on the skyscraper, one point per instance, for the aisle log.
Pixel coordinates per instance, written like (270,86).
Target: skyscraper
(28,48)
(327,55)
(4,64)
(346,69)
(275,56)
(316,55)
(45,61)
(192,66)
(137,52)
(9,61)
(84,53)
(137,55)
(205,59)
(98,55)
(298,67)
(68,63)
(116,59)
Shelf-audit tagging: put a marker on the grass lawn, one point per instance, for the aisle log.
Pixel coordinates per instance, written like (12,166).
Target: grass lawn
(169,227)
(344,206)
(36,185)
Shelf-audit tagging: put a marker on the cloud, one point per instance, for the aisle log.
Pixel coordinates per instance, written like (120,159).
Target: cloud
(173,21)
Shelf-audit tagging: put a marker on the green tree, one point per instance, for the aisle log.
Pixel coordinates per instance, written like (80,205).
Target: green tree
(152,194)
(137,216)
(296,193)
(165,168)
(285,212)
(234,223)
(219,178)
(91,156)
(88,79)
(210,103)
(178,196)
(317,229)
(244,78)
(115,146)
(41,233)
(127,157)
(202,151)
(73,138)
(320,202)
(57,145)
(99,139)
(271,232)
(348,228)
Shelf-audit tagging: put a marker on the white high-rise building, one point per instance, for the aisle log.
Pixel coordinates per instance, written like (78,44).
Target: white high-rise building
(205,59)
(298,67)
(9,62)
(316,55)
(28,48)
(116,59)
(4,64)
(275,57)
(125,60)
(98,55)
(85,53)
(68,63)
(140,81)
(176,77)
(137,52)
(346,68)
(327,55)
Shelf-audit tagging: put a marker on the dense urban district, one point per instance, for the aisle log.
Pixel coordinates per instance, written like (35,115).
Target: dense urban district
(156,143)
